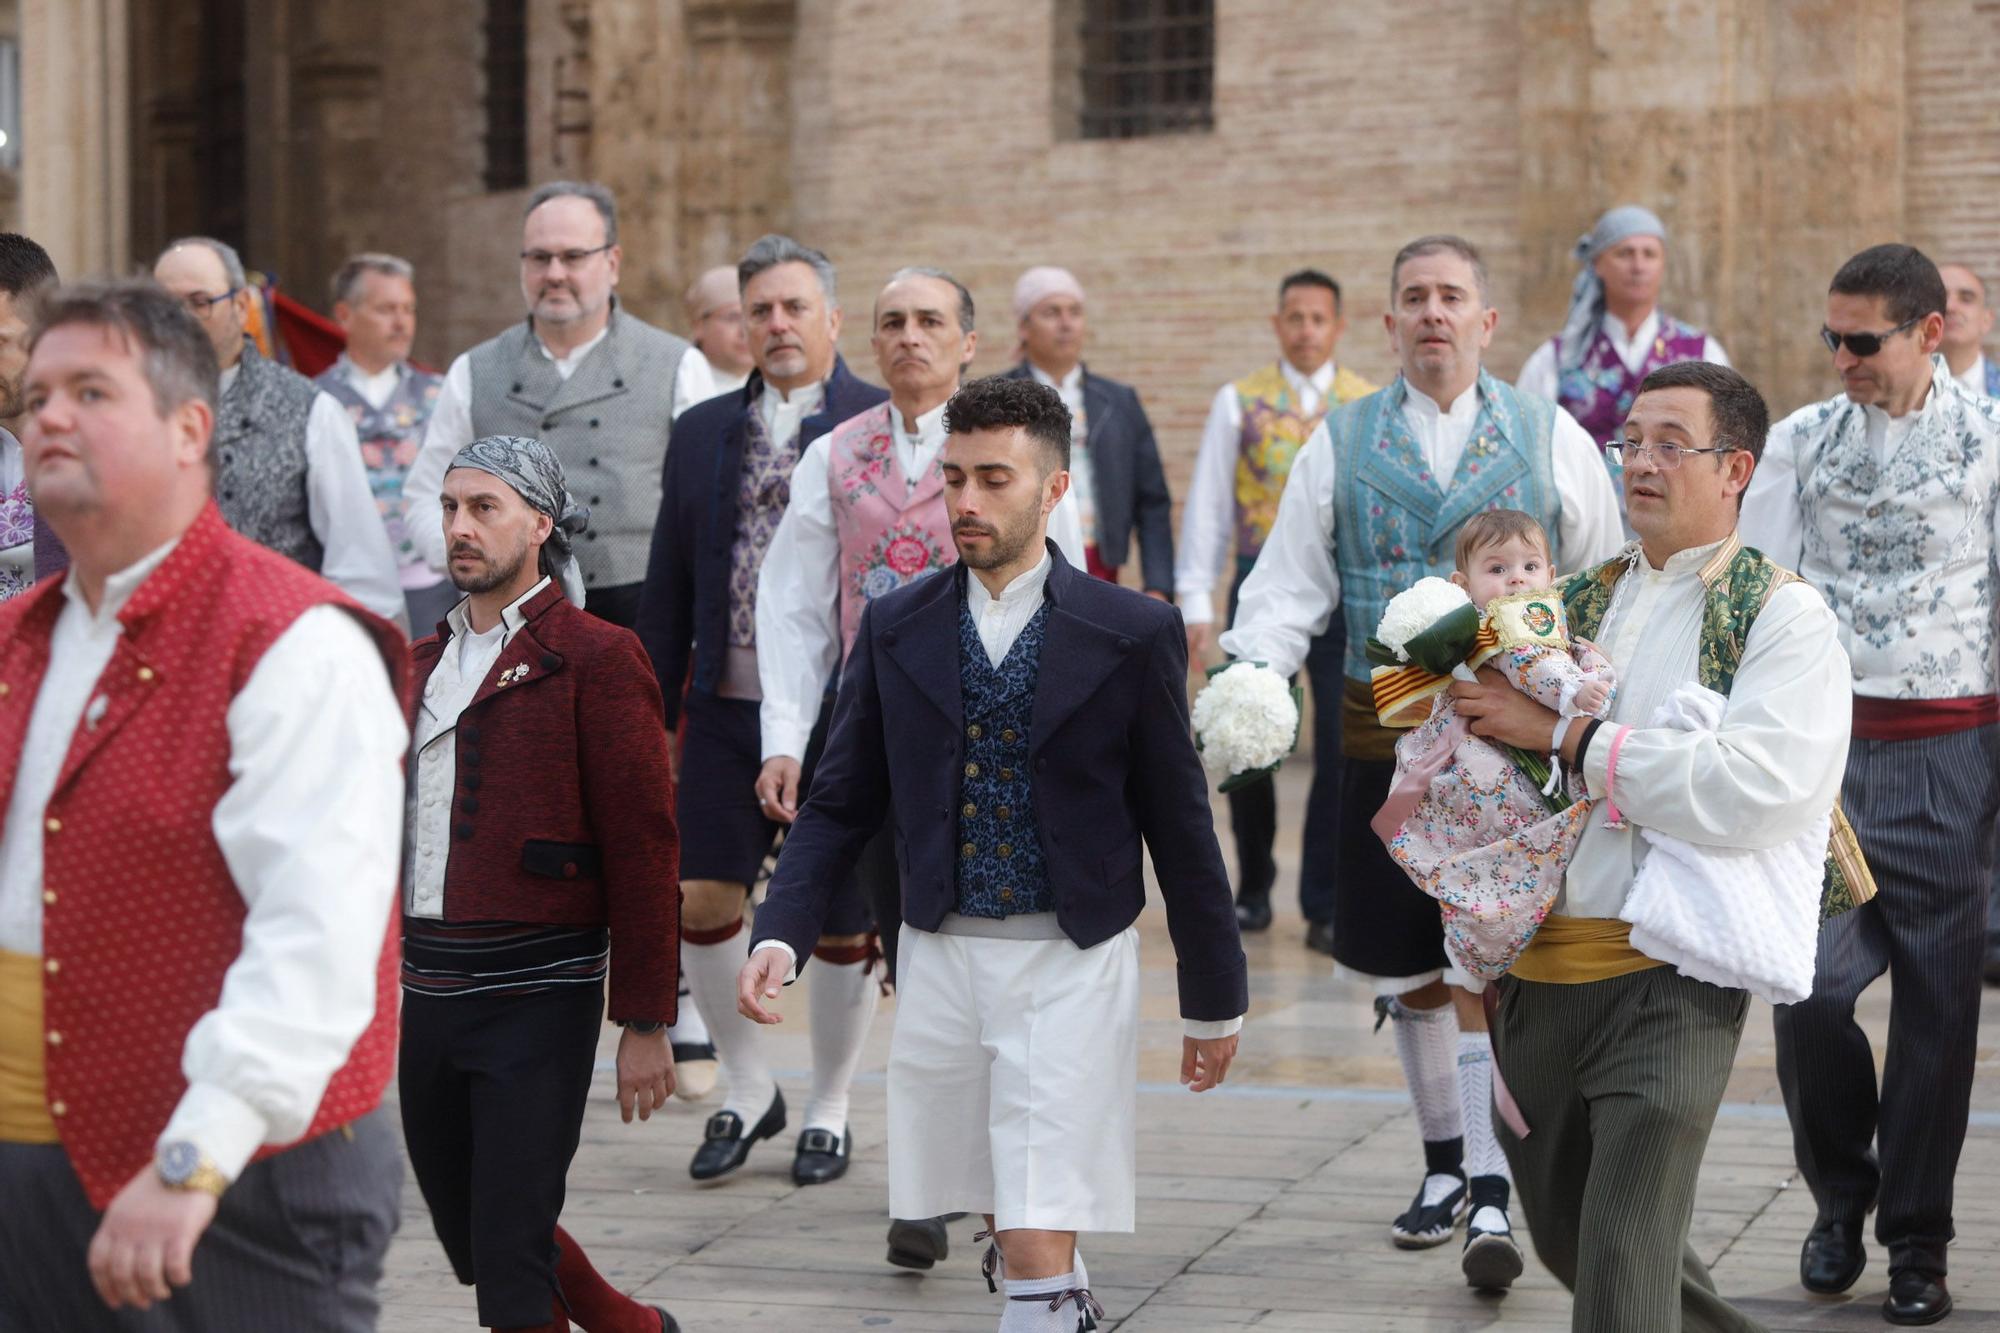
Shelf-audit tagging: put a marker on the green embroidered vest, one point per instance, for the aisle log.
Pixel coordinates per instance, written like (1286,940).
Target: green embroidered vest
(1740,580)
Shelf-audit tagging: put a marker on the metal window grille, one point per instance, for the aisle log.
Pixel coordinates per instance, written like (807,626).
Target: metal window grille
(506,94)
(1147,67)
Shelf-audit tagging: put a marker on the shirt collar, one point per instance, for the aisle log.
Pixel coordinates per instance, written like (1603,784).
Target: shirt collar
(930,426)
(804,400)
(1028,587)
(1320,380)
(1649,329)
(1463,405)
(390,373)
(512,617)
(1068,384)
(1974,379)
(119,587)
(228,378)
(578,353)
(1695,560)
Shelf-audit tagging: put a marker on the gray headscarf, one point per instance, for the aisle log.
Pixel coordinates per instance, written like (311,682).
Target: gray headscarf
(1586,297)
(533,470)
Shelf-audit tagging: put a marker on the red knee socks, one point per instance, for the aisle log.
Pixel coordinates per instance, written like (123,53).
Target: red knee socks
(596,1305)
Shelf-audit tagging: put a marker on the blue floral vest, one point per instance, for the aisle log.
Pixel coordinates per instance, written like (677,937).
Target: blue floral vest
(1000,867)
(1393,524)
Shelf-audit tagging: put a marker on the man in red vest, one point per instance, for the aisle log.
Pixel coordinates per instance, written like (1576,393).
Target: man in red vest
(200,766)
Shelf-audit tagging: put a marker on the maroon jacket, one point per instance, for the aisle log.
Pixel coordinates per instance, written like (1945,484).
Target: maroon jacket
(563,807)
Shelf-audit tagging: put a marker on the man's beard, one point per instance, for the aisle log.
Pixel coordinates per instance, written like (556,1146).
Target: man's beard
(497,574)
(1006,545)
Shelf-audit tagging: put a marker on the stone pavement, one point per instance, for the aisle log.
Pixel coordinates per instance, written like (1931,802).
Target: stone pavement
(1265,1203)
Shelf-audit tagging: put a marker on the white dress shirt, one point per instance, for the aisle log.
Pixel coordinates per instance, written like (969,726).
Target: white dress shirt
(1295,588)
(798,585)
(341,511)
(783,414)
(376,388)
(1082,479)
(450,430)
(462,668)
(1761,779)
(999,619)
(1208,515)
(308,827)
(1973,377)
(1543,373)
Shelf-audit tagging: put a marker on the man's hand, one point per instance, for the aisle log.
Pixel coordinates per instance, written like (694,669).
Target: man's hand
(1200,635)
(645,1073)
(761,979)
(778,788)
(146,1241)
(1205,1061)
(1497,711)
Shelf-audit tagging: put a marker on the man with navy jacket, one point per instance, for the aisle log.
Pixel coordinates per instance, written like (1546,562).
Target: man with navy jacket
(1025,729)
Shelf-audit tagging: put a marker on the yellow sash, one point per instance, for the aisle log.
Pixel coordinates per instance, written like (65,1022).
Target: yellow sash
(24,1110)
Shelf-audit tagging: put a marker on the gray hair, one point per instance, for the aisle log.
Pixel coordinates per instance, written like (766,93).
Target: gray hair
(232,263)
(770,250)
(178,357)
(347,278)
(599,196)
(1440,243)
(927,271)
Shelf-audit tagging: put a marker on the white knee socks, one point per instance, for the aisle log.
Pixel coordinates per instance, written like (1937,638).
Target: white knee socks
(688,1028)
(739,1046)
(1475,1094)
(1427,1042)
(843,1005)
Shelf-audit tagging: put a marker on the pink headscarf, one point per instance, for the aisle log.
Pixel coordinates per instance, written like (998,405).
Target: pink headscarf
(1039,284)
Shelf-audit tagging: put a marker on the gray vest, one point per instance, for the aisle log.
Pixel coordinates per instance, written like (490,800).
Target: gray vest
(259,450)
(608,423)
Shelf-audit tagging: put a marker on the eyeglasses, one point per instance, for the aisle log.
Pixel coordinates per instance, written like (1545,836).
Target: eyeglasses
(1863,344)
(1665,457)
(199,305)
(570,258)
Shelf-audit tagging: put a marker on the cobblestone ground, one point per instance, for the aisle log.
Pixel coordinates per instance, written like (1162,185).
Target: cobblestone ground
(1263,1204)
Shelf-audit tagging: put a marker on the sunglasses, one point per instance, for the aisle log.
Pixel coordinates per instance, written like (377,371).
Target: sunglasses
(1863,344)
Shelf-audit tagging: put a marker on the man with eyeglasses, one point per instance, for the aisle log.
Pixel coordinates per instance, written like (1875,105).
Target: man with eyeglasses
(596,385)
(1373,503)
(288,469)
(1617,1062)
(714,310)
(1886,499)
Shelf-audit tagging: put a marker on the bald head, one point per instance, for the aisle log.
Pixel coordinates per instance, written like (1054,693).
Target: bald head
(208,277)
(714,306)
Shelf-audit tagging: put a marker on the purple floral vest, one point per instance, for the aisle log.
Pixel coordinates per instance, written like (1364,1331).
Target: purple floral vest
(1599,392)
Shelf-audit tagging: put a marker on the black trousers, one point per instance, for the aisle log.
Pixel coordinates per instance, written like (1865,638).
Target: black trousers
(619,604)
(493,1093)
(1924,813)
(297,1243)
(1253,809)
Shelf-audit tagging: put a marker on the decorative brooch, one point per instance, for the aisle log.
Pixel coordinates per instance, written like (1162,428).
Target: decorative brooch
(513,673)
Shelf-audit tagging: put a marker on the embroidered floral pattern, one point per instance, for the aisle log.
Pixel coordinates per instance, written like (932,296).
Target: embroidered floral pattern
(762,493)
(1599,392)
(392,436)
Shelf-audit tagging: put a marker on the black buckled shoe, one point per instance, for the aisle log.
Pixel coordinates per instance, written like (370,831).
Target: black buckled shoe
(821,1156)
(1916,1297)
(1319,937)
(1253,913)
(918,1244)
(1428,1224)
(667,1324)
(725,1146)
(1832,1258)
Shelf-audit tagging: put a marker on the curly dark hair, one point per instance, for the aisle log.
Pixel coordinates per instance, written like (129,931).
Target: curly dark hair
(998,403)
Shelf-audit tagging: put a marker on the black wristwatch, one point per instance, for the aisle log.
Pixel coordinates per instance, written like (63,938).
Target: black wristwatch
(643,1029)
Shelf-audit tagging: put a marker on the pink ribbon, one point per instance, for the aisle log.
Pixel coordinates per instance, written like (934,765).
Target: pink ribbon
(1415,780)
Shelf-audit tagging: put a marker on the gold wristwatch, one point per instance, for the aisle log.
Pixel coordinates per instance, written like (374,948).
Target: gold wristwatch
(183,1166)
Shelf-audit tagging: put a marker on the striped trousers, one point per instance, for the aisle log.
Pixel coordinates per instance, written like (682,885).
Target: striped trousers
(1619,1080)
(297,1243)
(1924,812)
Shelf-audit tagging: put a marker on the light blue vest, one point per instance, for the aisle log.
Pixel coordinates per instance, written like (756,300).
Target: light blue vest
(1394,525)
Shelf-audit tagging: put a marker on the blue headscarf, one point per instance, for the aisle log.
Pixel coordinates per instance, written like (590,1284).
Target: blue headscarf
(1586,296)
(533,470)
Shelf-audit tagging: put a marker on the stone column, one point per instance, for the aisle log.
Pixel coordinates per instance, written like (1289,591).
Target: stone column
(75,150)
(1769,169)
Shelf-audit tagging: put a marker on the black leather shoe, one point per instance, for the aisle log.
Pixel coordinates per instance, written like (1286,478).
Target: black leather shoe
(821,1156)
(1832,1258)
(1319,937)
(918,1244)
(1915,1297)
(725,1146)
(667,1324)
(1253,913)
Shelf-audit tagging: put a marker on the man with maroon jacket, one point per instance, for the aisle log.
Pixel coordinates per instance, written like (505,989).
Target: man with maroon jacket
(542,858)
(200,766)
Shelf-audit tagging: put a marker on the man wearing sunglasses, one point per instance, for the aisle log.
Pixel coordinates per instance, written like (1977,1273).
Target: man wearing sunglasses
(1885,499)
(599,387)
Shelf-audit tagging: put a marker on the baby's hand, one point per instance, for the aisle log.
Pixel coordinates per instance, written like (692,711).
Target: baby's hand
(1590,696)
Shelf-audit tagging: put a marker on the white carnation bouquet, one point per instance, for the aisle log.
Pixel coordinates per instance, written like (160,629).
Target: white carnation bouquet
(1245,722)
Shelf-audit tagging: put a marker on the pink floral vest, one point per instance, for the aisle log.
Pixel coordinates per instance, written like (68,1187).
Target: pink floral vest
(891,534)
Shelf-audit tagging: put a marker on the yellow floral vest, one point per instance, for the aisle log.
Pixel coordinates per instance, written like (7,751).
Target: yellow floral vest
(1274,430)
